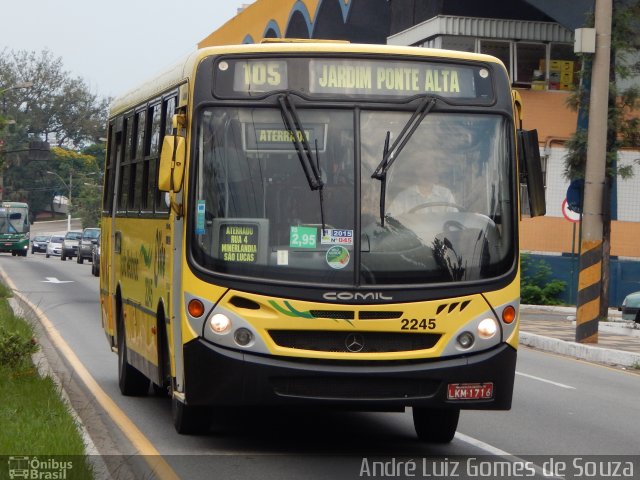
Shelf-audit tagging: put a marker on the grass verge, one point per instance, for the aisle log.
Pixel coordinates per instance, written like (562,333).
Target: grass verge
(35,421)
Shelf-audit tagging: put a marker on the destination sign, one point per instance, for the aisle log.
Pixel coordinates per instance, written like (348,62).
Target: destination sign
(261,137)
(239,243)
(364,77)
(353,78)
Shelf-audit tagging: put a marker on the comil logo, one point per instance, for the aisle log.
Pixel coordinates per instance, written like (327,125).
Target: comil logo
(40,469)
(356,297)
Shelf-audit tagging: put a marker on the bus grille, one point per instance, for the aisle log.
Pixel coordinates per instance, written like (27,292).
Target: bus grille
(334,314)
(353,342)
(379,315)
(355,388)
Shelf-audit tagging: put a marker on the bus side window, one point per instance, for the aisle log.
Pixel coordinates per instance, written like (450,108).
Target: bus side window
(123,187)
(151,158)
(168,110)
(137,167)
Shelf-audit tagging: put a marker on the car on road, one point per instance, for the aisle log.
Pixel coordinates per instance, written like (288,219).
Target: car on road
(70,245)
(54,247)
(39,243)
(95,260)
(90,237)
(631,307)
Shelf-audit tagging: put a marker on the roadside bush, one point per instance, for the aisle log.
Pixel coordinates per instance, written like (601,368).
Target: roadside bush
(536,285)
(16,337)
(15,348)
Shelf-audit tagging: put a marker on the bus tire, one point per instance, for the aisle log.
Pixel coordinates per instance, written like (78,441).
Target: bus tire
(190,419)
(435,425)
(131,381)
(163,386)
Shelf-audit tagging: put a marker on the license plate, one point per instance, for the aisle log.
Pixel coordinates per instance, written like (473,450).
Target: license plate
(470,391)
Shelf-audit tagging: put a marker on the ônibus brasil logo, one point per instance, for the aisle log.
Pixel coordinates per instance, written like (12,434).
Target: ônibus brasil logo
(36,468)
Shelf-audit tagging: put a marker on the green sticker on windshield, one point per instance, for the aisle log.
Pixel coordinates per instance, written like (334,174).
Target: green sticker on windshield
(337,257)
(303,237)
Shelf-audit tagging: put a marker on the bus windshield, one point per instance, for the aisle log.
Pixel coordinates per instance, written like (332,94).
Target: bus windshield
(12,219)
(446,212)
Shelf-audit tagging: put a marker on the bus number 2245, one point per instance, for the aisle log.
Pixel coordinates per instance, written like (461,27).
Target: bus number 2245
(415,324)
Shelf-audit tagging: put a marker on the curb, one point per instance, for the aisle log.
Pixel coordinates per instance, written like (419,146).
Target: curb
(581,351)
(613,312)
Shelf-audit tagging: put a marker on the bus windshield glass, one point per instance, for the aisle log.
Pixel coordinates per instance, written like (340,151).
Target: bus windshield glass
(12,219)
(448,206)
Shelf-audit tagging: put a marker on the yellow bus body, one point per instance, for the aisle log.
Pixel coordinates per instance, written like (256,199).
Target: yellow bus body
(145,270)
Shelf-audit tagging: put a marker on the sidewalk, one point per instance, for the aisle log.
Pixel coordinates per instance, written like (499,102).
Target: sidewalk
(553,329)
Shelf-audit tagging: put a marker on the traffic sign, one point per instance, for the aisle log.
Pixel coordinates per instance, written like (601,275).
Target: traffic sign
(568,213)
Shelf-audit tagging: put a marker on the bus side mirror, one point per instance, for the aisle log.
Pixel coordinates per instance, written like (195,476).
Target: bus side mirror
(172,160)
(531,170)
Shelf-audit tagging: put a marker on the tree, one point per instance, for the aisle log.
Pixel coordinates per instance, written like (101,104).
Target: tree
(57,108)
(537,286)
(623,129)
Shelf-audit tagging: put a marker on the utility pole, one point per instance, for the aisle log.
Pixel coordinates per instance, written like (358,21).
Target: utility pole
(590,278)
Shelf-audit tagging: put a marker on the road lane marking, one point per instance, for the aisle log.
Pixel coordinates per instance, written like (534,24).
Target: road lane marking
(482,445)
(509,457)
(143,445)
(561,385)
(55,280)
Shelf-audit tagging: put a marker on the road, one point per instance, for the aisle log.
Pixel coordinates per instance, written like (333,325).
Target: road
(561,407)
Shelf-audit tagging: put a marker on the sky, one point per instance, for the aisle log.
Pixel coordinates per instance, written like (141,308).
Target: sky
(113,45)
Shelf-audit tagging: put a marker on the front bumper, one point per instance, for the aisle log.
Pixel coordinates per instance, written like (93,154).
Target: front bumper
(14,246)
(217,376)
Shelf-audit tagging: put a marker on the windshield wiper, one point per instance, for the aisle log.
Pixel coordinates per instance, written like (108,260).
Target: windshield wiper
(305,153)
(309,159)
(383,180)
(389,155)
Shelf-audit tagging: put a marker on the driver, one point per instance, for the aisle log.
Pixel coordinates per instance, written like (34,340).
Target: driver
(425,191)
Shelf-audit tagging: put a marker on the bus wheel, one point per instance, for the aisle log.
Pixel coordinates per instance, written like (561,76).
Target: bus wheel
(435,425)
(130,380)
(190,419)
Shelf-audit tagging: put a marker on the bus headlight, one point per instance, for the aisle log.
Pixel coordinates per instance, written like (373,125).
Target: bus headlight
(487,328)
(465,340)
(220,323)
(243,337)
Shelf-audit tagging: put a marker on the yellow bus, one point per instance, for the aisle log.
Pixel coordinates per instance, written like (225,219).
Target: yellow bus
(319,224)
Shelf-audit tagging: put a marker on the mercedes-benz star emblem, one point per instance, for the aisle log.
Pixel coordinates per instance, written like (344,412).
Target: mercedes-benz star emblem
(354,342)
